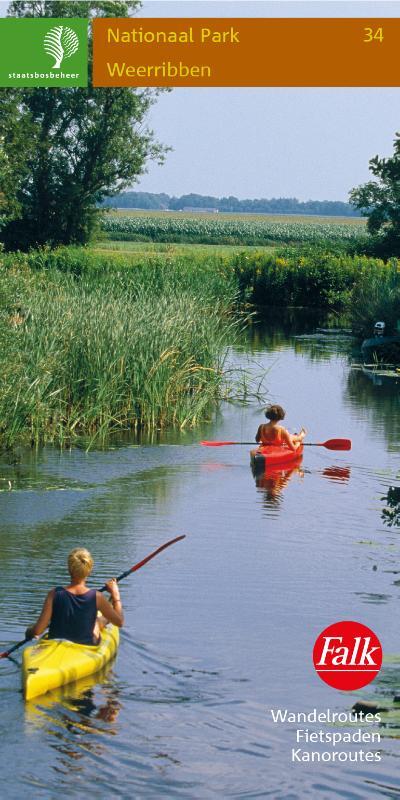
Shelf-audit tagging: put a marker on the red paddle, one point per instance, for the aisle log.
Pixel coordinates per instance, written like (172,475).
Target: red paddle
(137,566)
(330,444)
(145,560)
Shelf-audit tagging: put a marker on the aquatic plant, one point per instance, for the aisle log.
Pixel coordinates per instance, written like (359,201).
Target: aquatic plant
(297,276)
(96,342)
(108,348)
(376,296)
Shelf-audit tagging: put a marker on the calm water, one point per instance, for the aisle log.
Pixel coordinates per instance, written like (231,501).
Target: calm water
(220,628)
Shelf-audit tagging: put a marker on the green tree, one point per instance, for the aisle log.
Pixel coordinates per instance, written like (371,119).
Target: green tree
(83,145)
(379,200)
(15,133)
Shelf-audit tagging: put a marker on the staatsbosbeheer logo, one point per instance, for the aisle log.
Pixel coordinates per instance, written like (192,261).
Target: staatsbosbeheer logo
(61,42)
(347,655)
(43,52)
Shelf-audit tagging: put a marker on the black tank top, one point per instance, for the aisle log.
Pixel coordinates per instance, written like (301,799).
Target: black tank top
(73,616)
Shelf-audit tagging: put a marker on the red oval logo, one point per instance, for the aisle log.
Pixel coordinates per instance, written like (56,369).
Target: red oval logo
(347,655)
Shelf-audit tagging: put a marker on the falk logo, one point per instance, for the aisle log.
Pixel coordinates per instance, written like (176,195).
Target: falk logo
(347,655)
(60,42)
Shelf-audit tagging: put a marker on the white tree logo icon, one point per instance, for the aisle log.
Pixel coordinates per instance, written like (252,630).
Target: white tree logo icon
(60,42)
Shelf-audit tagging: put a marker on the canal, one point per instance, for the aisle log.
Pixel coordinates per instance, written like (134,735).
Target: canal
(219,628)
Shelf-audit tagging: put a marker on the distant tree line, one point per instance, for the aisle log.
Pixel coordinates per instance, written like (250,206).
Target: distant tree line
(138,200)
(276,205)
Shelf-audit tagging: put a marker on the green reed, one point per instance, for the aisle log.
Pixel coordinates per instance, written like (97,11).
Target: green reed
(93,346)
(376,296)
(93,342)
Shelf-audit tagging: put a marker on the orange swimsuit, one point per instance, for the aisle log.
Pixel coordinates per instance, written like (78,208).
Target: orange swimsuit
(274,439)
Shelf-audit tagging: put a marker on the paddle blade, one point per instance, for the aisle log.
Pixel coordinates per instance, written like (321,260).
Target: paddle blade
(217,444)
(338,444)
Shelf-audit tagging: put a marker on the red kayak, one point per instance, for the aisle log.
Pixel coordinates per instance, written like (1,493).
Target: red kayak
(274,454)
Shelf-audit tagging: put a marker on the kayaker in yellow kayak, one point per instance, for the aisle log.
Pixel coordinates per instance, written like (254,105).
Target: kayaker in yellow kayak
(271,433)
(72,612)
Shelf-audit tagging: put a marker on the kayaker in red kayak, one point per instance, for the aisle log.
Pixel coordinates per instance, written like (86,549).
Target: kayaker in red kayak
(271,433)
(71,612)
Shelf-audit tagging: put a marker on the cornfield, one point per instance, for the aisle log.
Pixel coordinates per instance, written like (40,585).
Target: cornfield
(236,230)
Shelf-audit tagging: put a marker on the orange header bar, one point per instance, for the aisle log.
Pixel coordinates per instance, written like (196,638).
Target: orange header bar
(246,52)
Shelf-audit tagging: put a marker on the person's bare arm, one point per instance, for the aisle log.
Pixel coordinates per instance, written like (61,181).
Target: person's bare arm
(44,620)
(293,441)
(290,440)
(298,437)
(258,434)
(113,612)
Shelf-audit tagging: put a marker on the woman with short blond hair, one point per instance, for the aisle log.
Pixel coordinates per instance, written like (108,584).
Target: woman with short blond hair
(72,612)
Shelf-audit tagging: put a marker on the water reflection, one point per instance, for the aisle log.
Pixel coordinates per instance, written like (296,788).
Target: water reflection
(273,480)
(378,405)
(77,716)
(307,331)
(222,629)
(337,474)
(384,698)
(48,526)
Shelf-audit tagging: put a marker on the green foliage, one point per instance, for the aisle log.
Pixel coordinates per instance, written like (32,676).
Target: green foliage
(379,200)
(293,276)
(89,346)
(391,513)
(376,296)
(203,276)
(77,8)
(15,133)
(83,145)
(167,228)
(95,342)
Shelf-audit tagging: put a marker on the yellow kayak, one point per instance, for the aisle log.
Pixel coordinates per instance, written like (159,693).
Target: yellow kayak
(54,662)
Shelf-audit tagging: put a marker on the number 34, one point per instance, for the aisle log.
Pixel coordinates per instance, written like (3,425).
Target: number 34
(371,35)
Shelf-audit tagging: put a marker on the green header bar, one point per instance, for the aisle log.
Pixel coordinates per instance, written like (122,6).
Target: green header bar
(47,52)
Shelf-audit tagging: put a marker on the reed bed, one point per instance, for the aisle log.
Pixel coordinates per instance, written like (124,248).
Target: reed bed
(376,296)
(93,343)
(303,276)
(90,350)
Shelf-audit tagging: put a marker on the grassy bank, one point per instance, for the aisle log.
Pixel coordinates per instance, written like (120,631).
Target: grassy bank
(303,277)
(99,341)
(91,345)
(146,250)
(376,296)
(368,289)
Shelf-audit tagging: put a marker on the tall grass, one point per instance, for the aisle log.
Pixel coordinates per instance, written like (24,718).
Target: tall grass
(93,343)
(307,276)
(376,296)
(107,348)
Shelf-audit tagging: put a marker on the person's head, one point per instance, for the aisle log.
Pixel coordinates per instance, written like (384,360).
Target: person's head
(275,413)
(80,563)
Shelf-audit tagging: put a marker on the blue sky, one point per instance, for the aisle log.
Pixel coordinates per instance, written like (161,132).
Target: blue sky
(305,143)
(274,142)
